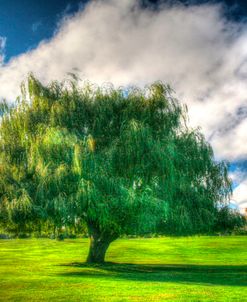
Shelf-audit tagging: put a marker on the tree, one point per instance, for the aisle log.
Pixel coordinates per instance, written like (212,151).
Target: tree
(229,220)
(123,161)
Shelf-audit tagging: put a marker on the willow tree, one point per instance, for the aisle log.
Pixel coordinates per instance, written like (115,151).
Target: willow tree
(123,161)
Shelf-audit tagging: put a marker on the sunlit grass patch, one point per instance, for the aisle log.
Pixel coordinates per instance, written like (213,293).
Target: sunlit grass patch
(160,269)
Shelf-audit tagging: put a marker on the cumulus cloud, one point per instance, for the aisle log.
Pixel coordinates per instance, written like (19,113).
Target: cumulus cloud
(2,48)
(240,196)
(238,176)
(195,49)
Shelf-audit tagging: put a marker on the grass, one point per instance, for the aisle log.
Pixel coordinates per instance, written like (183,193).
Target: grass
(163,269)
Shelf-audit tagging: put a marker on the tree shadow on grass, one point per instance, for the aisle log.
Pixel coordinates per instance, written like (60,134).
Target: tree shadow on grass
(231,275)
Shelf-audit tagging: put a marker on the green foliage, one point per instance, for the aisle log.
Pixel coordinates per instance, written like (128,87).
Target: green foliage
(124,162)
(228,221)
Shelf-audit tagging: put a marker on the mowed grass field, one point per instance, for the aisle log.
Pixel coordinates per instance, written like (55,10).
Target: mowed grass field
(160,269)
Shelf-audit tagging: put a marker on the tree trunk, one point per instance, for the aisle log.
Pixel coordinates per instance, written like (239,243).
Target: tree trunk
(99,243)
(97,250)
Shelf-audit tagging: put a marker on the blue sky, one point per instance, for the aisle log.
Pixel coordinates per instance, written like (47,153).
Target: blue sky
(25,23)
(199,47)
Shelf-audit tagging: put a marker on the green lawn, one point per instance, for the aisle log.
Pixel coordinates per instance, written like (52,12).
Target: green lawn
(164,269)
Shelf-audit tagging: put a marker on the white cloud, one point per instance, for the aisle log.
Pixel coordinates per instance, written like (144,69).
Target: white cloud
(2,48)
(238,176)
(201,54)
(35,26)
(240,196)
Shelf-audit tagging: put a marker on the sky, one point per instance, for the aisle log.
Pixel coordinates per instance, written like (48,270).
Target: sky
(198,47)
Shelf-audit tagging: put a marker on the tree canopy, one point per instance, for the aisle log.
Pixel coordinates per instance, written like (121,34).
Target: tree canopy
(124,161)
